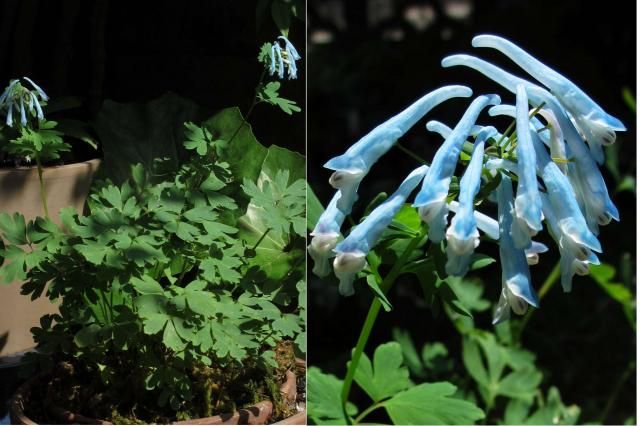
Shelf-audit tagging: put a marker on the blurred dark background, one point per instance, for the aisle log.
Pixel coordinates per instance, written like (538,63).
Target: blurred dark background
(136,51)
(368,59)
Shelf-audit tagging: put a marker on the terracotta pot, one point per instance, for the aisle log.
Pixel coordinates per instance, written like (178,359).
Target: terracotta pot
(257,414)
(20,192)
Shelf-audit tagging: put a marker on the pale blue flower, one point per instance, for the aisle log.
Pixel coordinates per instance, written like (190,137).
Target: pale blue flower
(574,234)
(528,207)
(352,251)
(292,57)
(352,166)
(275,51)
(41,92)
(325,237)
(599,208)
(431,200)
(517,290)
(569,264)
(462,235)
(597,126)
(490,227)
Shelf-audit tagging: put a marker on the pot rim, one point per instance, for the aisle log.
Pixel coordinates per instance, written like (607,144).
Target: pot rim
(31,169)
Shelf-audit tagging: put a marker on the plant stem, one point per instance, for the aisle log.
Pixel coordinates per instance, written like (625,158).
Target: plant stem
(261,238)
(254,102)
(366,412)
(370,320)
(616,391)
(43,192)
(411,154)
(552,278)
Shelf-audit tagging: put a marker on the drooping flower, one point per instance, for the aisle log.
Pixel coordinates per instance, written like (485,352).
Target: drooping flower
(325,237)
(569,264)
(352,251)
(283,58)
(352,166)
(598,127)
(491,229)
(517,290)
(462,235)
(17,97)
(528,207)
(599,208)
(431,200)
(573,229)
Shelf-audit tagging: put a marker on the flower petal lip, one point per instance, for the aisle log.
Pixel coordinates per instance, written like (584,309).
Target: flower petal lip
(325,237)
(463,236)
(515,269)
(597,201)
(436,183)
(346,266)
(562,198)
(571,96)
(364,236)
(365,152)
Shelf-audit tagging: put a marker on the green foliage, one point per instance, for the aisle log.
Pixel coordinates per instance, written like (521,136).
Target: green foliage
(386,381)
(603,275)
(269,93)
(163,271)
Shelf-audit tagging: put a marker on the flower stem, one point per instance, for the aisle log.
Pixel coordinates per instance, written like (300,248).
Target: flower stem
(370,320)
(616,391)
(411,154)
(366,412)
(552,278)
(266,231)
(43,192)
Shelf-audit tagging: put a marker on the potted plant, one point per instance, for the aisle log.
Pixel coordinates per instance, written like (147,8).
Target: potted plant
(181,292)
(36,177)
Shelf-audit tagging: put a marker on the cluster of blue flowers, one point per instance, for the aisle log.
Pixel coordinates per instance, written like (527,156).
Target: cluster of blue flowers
(558,180)
(283,58)
(18,98)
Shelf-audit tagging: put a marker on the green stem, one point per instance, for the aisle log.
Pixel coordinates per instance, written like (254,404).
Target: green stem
(43,192)
(616,391)
(261,238)
(366,412)
(254,102)
(552,278)
(370,320)
(411,154)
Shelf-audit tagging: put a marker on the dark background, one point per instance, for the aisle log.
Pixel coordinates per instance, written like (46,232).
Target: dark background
(136,51)
(367,61)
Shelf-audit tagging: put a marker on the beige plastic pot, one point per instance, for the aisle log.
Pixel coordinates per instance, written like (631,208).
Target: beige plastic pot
(20,192)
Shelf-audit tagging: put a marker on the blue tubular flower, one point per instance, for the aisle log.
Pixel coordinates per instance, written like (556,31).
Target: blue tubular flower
(431,200)
(292,57)
(490,227)
(517,290)
(575,235)
(280,62)
(528,207)
(325,237)
(37,106)
(598,126)
(10,115)
(352,251)
(352,166)
(569,264)
(598,206)
(43,95)
(463,236)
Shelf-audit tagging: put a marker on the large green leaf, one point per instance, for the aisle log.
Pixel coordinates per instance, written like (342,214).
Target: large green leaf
(386,376)
(140,133)
(431,404)
(274,253)
(324,403)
